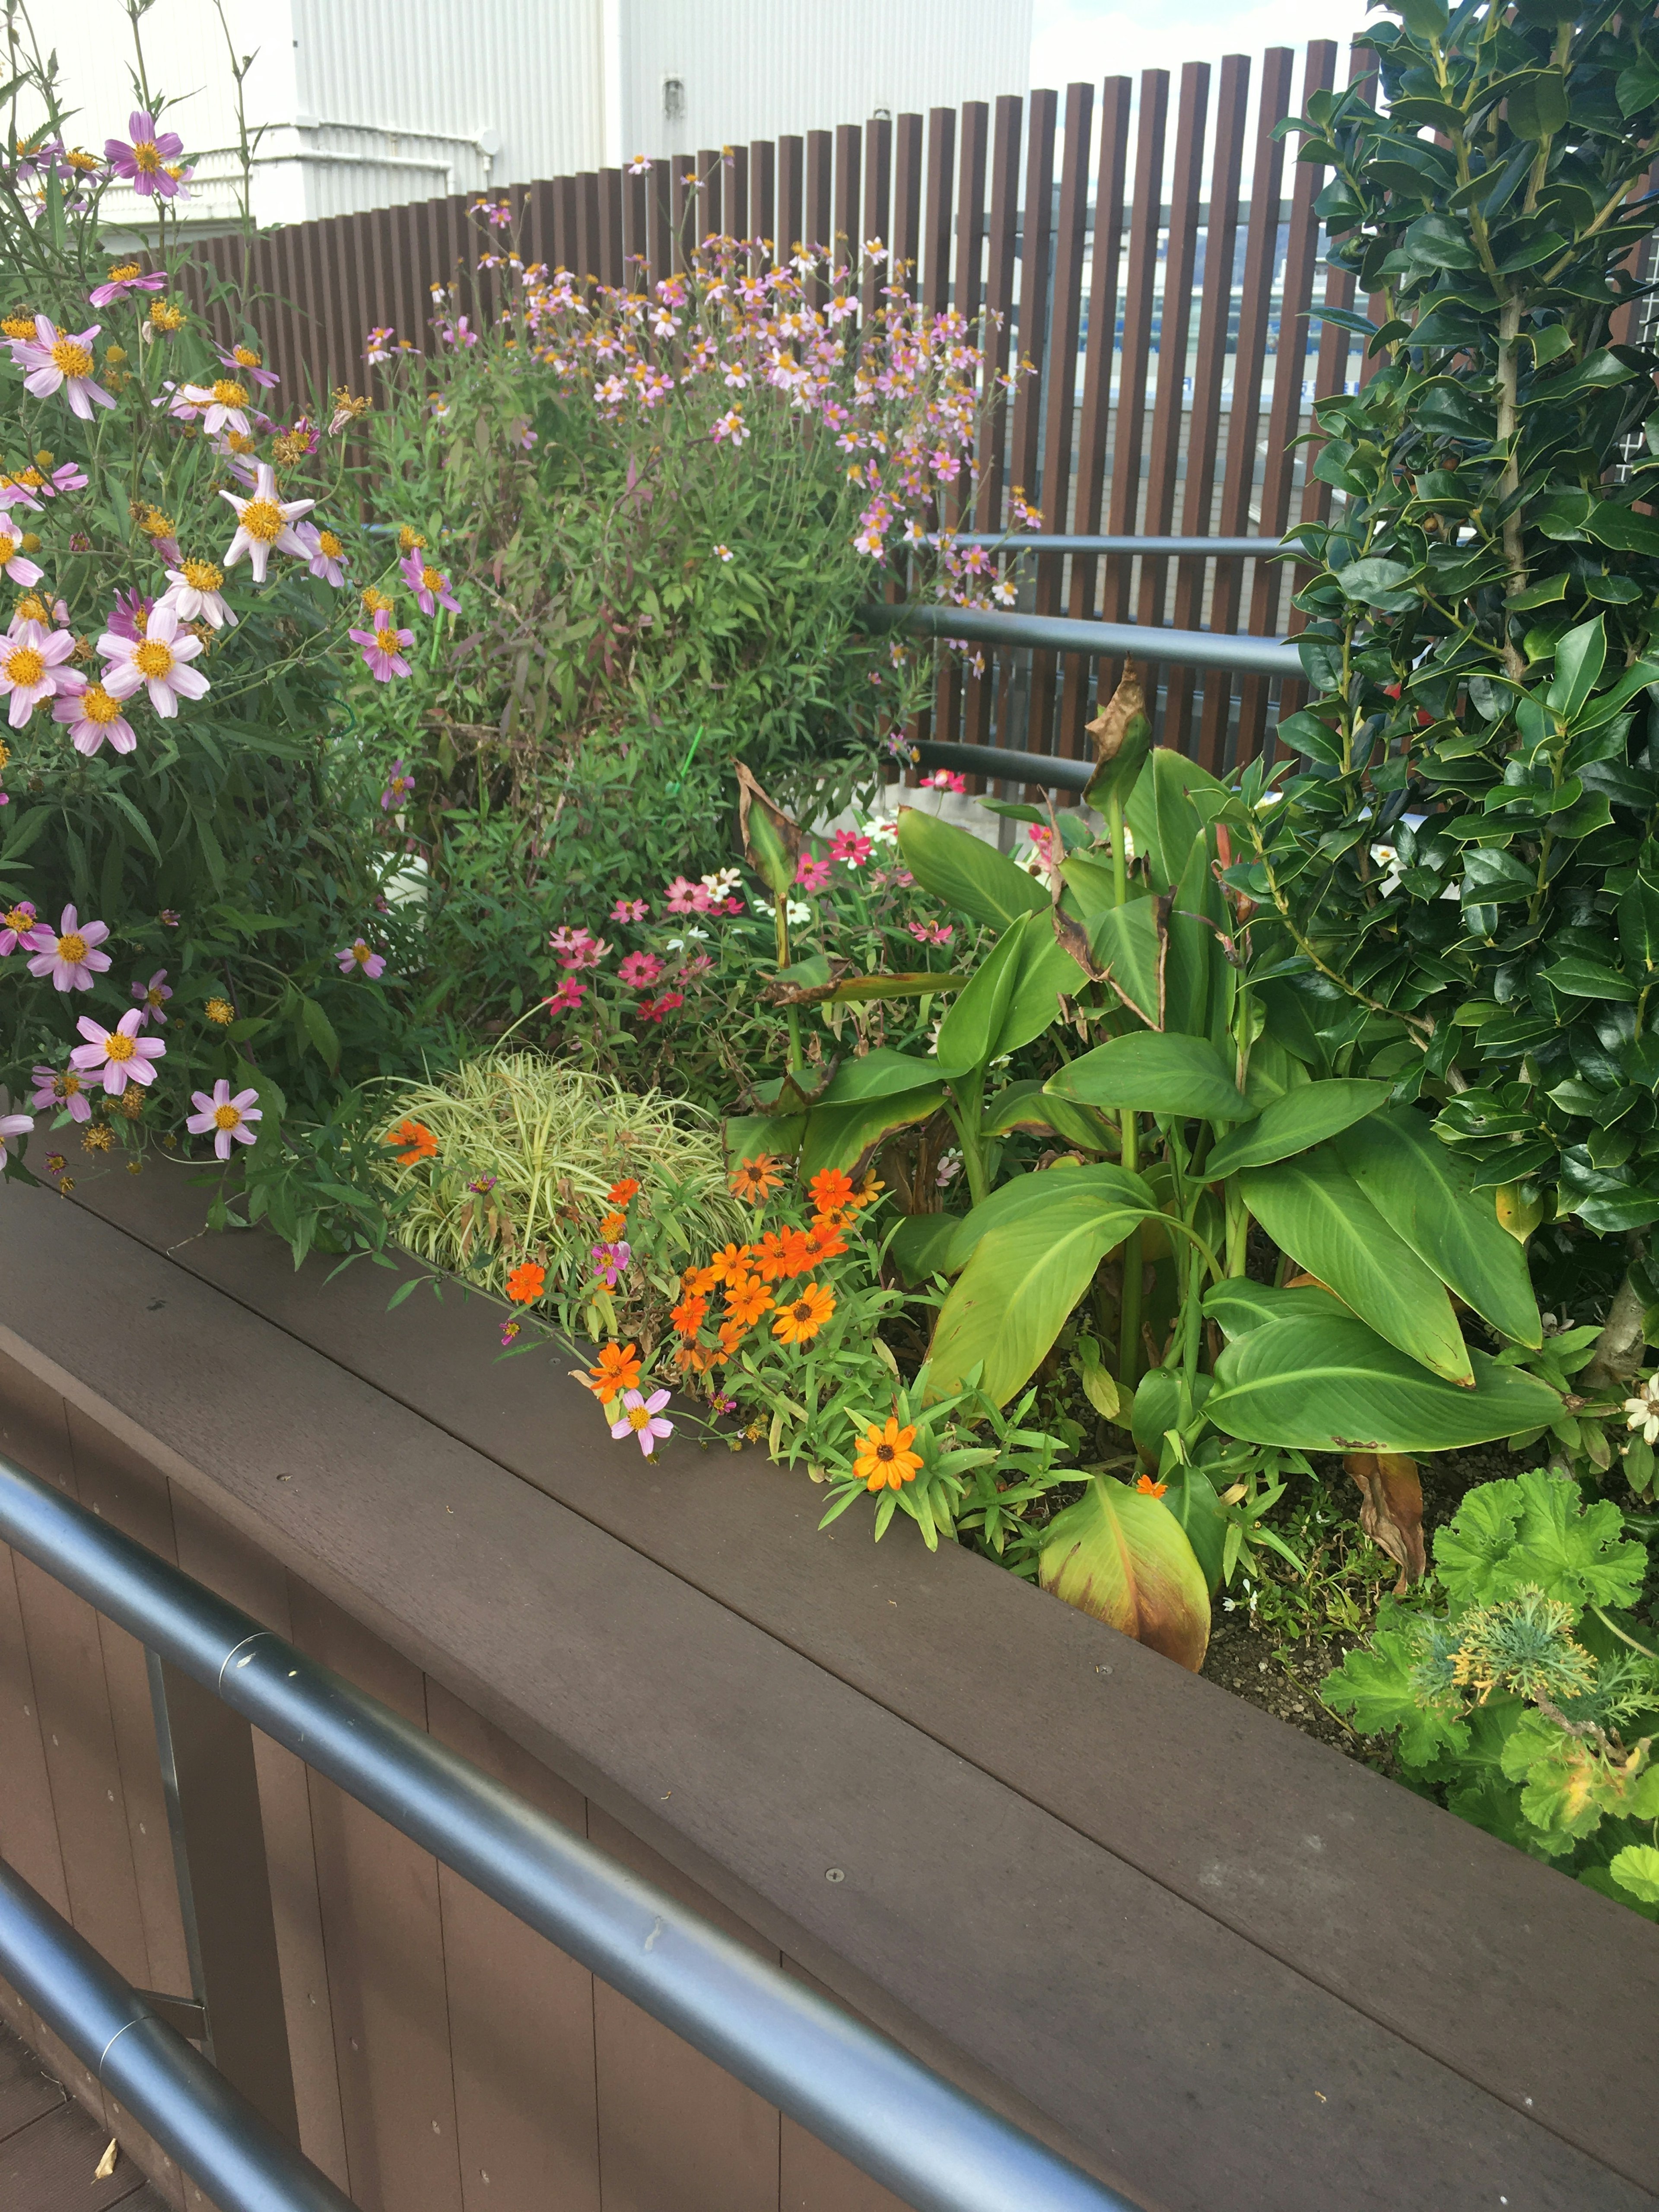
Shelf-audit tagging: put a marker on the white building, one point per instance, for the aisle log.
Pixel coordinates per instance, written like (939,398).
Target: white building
(364,103)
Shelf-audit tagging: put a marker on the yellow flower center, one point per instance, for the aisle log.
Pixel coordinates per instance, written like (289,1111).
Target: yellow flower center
(328,544)
(229,393)
(245,357)
(10,549)
(18,326)
(118,1046)
(408,539)
(156,524)
(639,1417)
(19,918)
(153,658)
(226,1116)
(220,1010)
(126,273)
(24,665)
(113,356)
(72,948)
(262,519)
(165,316)
(361,953)
(32,608)
(202,575)
(432,579)
(375,602)
(97,706)
(70,359)
(237,443)
(146,157)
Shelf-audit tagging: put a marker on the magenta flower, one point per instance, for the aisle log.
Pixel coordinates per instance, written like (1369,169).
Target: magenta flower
(13,1125)
(243,363)
(811,875)
(610,1262)
(265,522)
(20,930)
(359,958)
(61,360)
(31,667)
(686,897)
(945,779)
(383,647)
(629,910)
(68,954)
(932,932)
(399,786)
(62,1087)
(158,662)
(13,567)
(130,616)
(152,997)
(430,586)
(129,277)
(639,970)
(328,554)
(640,1419)
(851,847)
(577,948)
(117,1056)
(567,998)
(143,163)
(226,1116)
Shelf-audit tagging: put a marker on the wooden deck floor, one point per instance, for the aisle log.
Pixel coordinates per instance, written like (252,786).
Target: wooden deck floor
(50,2147)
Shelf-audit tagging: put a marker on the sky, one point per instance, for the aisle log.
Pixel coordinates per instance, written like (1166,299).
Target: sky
(1075,39)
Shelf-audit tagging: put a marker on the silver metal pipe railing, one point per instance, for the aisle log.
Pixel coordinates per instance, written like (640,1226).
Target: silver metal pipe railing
(1185,649)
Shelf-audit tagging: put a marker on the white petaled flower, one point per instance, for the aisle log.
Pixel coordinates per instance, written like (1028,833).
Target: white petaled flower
(158,661)
(31,667)
(223,405)
(1642,1411)
(722,882)
(193,589)
(13,567)
(265,522)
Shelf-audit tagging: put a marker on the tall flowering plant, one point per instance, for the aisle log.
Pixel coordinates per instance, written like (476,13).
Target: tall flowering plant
(191,936)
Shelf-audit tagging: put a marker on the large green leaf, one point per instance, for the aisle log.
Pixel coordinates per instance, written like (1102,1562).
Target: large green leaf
(1025,1105)
(1045,968)
(1155,1072)
(1301,1117)
(967,1035)
(1162,817)
(964,871)
(1423,1189)
(1125,944)
(1011,1299)
(1334,1385)
(918,1245)
(757,1136)
(1313,1209)
(882,1074)
(844,1136)
(1124,1557)
(1238,1304)
(1043,1191)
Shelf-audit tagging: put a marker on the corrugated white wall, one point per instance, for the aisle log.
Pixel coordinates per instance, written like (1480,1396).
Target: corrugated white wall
(753,69)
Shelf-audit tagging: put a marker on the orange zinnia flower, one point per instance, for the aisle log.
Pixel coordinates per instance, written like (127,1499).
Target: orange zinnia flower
(801,1319)
(883,1460)
(613,1225)
(831,1190)
(782,1254)
(418,1140)
(732,1260)
(524,1285)
(825,1241)
(691,1359)
(699,1281)
(1148,1488)
(688,1316)
(623,1193)
(749,1304)
(754,1180)
(869,1190)
(617,1370)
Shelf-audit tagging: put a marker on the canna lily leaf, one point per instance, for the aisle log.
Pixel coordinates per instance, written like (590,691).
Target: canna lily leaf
(1301,1117)
(1238,1304)
(844,1136)
(1124,1557)
(1155,1072)
(1046,1190)
(964,871)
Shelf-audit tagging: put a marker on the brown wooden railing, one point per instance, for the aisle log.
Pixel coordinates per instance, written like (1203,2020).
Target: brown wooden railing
(1173,359)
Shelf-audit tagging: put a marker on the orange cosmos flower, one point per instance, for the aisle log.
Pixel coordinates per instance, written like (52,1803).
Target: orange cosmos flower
(417,1141)
(883,1459)
(524,1285)
(688,1316)
(869,1190)
(754,1180)
(624,1193)
(1148,1488)
(617,1370)
(832,1190)
(699,1281)
(801,1319)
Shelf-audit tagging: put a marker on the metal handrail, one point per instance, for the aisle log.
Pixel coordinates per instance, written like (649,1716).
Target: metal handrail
(1182,649)
(228,2149)
(1050,770)
(926,2141)
(1046,541)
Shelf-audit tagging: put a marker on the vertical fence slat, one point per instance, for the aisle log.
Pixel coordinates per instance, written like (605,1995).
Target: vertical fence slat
(1035,260)
(1059,395)
(636,225)
(566,242)
(709,179)
(969,244)
(588,222)
(844,242)
(934,277)
(736,222)
(682,199)
(660,220)
(1129,427)
(820,215)
(1285,415)
(792,196)
(539,223)
(1094,426)
(1000,303)
(906,241)
(1255,305)
(763,189)
(877,223)
(610,226)
(1203,434)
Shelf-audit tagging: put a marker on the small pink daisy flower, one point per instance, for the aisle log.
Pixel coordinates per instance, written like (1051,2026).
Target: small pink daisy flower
(360,958)
(68,953)
(629,910)
(328,554)
(850,847)
(639,970)
(31,667)
(152,997)
(430,585)
(811,875)
(128,277)
(143,164)
(245,362)
(228,1118)
(157,662)
(13,567)
(20,930)
(640,1418)
(92,715)
(13,1125)
(55,361)
(567,998)
(117,1056)
(383,647)
(265,523)
(685,897)
(62,1086)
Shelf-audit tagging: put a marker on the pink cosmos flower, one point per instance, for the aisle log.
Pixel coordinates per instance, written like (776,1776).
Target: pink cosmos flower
(457,334)
(639,970)
(430,586)
(383,647)
(68,955)
(400,784)
(143,163)
(568,997)
(31,667)
(328,556)
(244,363)
(120,1055)
(130,616)
(932,932)
(13,1125)
(640,1418)
(56,1086)
(811,875)
(610,1262)
(629,910)
(379,346)
(152,997)
(61,360)
(263,522)
(359,958)
(945,779)
(92,715)
(20,930)
(158,663)
(121,281)
(13,567)
(850,847)
(226,1116)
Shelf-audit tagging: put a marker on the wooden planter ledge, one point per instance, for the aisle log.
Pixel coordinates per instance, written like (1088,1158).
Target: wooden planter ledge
(1222,1965)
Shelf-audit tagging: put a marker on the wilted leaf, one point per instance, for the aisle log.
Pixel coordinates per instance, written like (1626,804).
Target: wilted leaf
(771,840)
(105,2165)
(1391,1509)
(1124,1557)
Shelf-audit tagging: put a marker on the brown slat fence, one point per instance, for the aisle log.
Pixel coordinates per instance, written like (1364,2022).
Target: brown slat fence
(1162,301)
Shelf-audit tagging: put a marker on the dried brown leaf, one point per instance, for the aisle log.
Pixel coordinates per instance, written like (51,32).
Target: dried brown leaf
(1391,1509)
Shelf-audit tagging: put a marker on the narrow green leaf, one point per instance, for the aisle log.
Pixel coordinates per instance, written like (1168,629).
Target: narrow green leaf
(1301,1117)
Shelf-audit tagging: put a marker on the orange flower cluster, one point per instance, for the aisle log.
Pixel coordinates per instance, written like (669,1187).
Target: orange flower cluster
(525,1283)
(416,1140)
